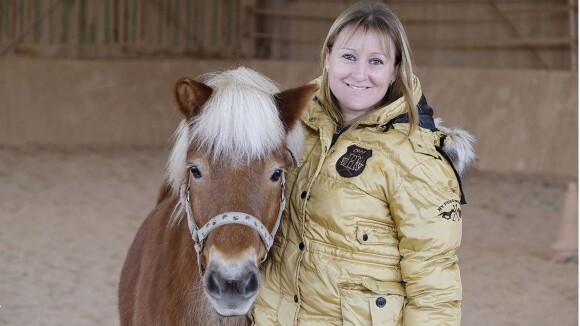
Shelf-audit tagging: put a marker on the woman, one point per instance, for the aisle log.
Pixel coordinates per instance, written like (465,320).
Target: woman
(374,219)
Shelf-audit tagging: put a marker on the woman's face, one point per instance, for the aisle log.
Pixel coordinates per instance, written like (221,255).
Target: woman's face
(359,72)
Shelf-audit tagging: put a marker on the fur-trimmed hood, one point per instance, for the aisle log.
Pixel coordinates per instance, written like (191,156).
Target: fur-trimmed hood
(457,143)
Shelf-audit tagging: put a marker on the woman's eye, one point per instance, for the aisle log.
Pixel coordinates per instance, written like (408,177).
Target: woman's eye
(276,176)
(195,172)
(349,57)
(376,61)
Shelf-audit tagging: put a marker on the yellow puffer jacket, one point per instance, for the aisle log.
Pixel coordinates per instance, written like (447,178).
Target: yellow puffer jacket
(371,230)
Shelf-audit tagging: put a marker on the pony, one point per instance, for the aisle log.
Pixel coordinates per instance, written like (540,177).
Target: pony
(195,259)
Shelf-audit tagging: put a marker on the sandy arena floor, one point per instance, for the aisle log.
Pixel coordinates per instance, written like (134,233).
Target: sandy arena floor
(67,219)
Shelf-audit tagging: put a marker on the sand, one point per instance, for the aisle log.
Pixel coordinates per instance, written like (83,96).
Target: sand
(68,218)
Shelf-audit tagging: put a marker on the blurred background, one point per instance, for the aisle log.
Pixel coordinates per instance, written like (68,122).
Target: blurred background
(87,113)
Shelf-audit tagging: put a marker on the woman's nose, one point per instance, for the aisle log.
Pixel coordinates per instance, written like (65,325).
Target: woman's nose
(359,72)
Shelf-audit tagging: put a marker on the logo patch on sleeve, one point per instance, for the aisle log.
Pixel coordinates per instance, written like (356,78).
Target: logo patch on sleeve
(353,162)
(450,210)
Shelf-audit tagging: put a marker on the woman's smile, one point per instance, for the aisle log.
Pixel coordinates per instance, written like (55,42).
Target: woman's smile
(358,88)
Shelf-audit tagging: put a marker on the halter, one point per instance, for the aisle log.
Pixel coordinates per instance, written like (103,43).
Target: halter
(200,234)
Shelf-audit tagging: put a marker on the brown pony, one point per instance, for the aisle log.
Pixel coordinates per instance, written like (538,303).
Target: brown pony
(195,260)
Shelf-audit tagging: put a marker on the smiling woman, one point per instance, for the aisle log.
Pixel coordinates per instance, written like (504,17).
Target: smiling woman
(374,218)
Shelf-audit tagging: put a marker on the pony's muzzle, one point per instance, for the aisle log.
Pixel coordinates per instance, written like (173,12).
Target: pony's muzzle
(220,286)
(232,289)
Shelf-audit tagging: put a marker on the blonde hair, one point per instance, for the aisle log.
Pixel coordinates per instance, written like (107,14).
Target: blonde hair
(377,18)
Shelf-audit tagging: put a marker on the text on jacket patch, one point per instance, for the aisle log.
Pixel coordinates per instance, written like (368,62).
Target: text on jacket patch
(353,162)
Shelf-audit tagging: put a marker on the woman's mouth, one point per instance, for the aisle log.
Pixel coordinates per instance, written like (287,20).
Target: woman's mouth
(358,88)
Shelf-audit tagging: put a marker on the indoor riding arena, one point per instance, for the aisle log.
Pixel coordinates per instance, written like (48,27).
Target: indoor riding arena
(87,112)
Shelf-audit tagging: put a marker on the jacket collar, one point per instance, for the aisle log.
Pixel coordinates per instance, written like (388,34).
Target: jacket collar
(425,117)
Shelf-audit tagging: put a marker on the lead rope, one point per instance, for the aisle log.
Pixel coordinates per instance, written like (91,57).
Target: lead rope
(199,235)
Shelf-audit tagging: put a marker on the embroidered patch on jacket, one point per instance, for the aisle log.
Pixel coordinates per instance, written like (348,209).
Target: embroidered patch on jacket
(353,162)
(450,210)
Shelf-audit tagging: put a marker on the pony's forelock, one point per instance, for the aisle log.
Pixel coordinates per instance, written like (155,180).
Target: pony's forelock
(240,121)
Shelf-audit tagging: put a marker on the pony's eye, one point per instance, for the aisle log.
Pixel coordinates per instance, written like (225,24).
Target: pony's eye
(276,176)
(195,172)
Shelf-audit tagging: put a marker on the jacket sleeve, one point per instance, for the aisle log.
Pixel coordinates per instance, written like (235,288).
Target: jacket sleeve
(426,209)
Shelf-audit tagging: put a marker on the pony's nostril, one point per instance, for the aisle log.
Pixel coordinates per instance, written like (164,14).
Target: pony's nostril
(251,285)
(213,284)
(232,286)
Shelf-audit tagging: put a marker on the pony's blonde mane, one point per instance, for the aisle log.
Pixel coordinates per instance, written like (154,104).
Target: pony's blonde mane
(239,122)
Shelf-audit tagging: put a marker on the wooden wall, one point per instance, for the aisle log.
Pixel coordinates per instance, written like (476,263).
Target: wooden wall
(121,28)
(536,34)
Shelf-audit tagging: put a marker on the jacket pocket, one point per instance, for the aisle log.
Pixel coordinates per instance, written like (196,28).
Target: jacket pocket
(370,233)
(372,303)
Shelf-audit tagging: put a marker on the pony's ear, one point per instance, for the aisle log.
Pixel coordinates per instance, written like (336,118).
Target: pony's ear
(191,96)
(292,102)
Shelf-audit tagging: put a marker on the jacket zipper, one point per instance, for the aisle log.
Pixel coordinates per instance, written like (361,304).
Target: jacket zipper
(336,134)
